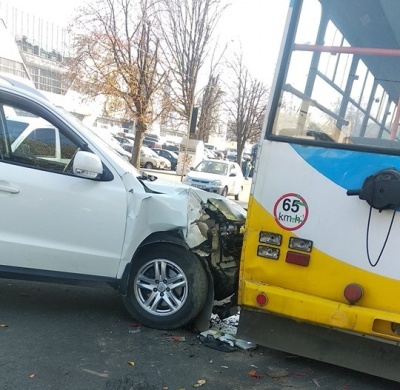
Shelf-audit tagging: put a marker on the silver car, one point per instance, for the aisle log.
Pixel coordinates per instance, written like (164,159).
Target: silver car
(221,177)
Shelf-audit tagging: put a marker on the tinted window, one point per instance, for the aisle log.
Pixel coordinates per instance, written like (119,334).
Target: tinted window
(15,128)
(39,143)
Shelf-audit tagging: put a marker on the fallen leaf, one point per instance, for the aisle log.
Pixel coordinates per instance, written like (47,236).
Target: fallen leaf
(3,326)
(178,338)
(276,372)
(253,374)
(199,383)
(31,375)
(131,363)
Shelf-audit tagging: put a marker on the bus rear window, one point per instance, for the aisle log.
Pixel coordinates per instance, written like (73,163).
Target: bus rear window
(334,89)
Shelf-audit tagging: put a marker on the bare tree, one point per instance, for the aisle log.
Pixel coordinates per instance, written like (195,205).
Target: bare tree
(117,56)
(246,105)
(187,28)
(210,105)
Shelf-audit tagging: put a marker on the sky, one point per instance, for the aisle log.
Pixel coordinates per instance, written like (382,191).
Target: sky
(254,25)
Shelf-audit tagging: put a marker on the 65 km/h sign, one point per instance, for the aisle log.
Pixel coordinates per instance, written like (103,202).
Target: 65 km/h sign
(291,211)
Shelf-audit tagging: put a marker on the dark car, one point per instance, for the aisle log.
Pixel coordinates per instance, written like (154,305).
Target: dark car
(151,143)
(169,155)
(171,147)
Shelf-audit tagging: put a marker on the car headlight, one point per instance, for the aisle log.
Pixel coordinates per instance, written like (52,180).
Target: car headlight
(216,183)
(185,179)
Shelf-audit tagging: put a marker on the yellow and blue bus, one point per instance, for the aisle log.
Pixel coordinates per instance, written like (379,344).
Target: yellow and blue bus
(320,269)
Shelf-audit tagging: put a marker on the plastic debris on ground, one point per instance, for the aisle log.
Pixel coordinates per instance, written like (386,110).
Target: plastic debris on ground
(227,325)
(135,328)
(224,342)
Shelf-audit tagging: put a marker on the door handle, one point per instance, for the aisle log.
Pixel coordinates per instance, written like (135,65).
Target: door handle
(10,189)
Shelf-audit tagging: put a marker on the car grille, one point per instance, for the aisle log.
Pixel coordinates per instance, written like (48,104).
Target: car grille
(197,181)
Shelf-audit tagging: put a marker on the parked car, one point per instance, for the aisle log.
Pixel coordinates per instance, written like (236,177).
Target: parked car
(172,147)
(91,217)
(219,176)
(151,160)
(151,143)
(170,156)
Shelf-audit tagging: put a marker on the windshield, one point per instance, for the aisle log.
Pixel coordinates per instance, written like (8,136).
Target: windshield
(338,89)
(216,167)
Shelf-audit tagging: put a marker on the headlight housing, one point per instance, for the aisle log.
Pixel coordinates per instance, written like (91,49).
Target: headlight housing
(216,183)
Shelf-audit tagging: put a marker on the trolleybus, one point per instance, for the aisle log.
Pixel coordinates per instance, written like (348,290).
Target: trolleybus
(320,263)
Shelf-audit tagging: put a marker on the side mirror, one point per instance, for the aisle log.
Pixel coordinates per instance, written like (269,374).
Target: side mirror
(87,165)
(233,174)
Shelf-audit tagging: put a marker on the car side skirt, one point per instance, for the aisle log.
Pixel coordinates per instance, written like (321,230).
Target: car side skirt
(38,275)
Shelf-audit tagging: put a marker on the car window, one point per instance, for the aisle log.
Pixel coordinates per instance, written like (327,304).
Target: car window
(38,143)
(218,168)
(34,142)
(15,128)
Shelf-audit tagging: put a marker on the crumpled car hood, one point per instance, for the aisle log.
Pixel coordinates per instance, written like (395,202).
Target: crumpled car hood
(170,206)
(169,187)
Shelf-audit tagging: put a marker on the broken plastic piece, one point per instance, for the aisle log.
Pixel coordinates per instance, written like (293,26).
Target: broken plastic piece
(245,345)
(219,345)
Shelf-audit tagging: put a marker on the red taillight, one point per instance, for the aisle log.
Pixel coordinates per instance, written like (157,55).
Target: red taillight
(261,299)
(297,258)
(353,293)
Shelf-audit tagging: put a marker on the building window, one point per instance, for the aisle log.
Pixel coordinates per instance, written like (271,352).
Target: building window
(12,67)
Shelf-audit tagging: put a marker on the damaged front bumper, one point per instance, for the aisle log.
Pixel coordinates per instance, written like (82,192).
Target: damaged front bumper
(222,226)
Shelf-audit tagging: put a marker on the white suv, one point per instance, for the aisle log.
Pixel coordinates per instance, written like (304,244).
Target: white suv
(86,215)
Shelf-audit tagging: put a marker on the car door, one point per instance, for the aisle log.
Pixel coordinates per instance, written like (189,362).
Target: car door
(54,223)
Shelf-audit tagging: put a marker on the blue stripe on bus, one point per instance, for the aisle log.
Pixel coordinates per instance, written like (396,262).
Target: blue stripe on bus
(346,168)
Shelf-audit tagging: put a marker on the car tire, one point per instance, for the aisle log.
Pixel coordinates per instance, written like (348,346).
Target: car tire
(224,191)
(237,195)
(148,165)
(167,287)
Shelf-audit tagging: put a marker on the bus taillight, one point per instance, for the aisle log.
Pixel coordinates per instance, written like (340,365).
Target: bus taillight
(353,293)
(262,299)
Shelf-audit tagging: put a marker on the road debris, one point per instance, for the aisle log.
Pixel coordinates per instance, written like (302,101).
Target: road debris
(178,338)
(199,383)
(253,374)
(276,372)
(224,342)
(135,328)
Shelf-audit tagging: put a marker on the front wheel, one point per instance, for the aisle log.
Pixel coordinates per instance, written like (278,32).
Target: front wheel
(237,195)
(167,287)
(224,191)
(148,165)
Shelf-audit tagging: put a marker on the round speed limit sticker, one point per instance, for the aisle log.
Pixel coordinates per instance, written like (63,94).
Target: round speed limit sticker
(291,211)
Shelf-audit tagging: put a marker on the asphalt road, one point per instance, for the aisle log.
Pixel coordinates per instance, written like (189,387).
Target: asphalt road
(68,337)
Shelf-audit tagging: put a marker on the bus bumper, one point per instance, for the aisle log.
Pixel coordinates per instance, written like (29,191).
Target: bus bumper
(329,345)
